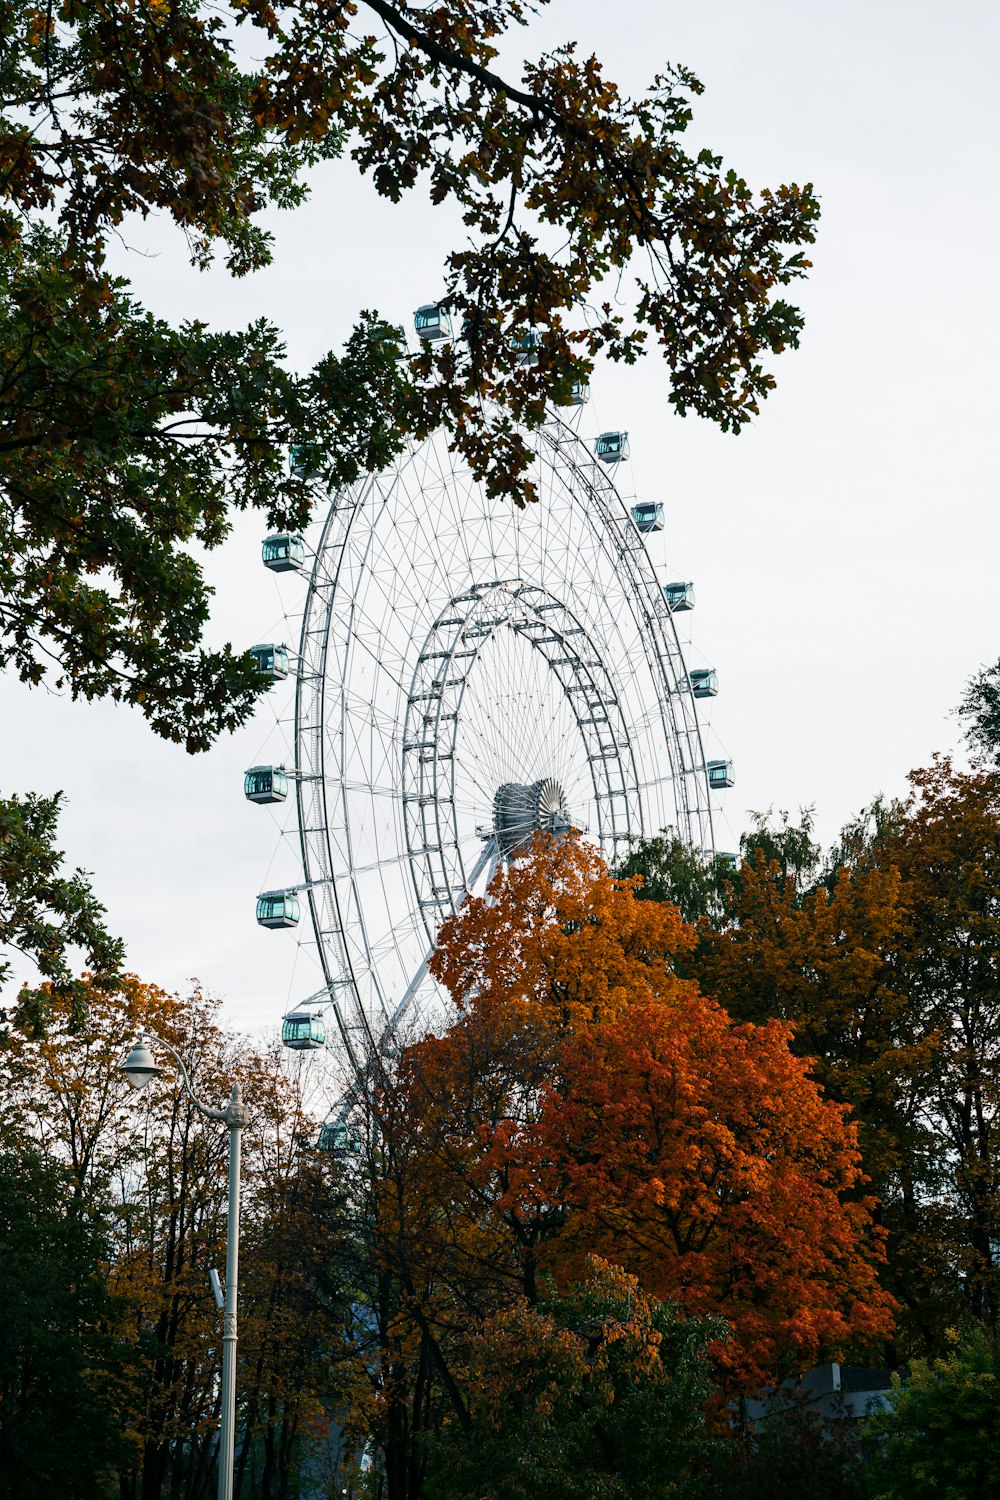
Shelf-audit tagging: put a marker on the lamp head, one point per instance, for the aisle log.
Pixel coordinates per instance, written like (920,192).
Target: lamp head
(140,1065)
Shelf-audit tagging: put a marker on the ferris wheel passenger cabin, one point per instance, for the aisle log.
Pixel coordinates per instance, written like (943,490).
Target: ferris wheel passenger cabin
(278,909)
(339,1139)
(265,784)
(704,682)
(612,447)
(526,347)
(648,516)
(432,322)
(303,460)
(720,774)
(679,596)
(580,393)
(272,661)
(283,552)
(303,1031)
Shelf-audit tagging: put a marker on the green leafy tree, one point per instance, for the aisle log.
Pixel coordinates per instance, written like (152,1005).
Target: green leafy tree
(125,441)
(776,840)
(707,888)
(61,1371)
(980,709)
(940,1439)
(672,871)
(44,913)
(598,1394)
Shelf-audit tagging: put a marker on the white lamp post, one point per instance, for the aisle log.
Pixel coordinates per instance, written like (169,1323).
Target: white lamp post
(139,1067)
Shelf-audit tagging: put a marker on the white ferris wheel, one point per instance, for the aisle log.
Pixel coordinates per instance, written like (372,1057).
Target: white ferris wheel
(467,674)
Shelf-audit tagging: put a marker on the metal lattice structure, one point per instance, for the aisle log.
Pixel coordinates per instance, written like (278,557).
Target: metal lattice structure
(469,673)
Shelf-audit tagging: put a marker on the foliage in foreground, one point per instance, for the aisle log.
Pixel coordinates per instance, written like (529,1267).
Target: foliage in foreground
(626,1115)
(434,1293)
(884,959)
(586,1101)
(599,1394)
(110,1219)
(44,913)
(62,1369)
(980,712)
(941,1439)
(127,442)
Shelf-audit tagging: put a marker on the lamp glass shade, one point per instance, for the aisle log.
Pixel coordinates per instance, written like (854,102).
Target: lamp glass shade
(140,1066)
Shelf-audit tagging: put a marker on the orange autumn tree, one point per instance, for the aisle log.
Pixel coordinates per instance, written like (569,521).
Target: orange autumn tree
(587,1100)
(885,957)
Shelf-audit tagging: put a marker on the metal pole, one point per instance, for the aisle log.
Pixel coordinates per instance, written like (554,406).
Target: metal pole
(235,1119)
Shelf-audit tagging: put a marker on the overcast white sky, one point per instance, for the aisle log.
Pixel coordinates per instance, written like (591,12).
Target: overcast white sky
(844,549)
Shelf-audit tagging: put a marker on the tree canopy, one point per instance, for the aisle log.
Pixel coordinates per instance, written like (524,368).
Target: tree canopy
(941,1434)
(632,1118)
(980,711)
(61,1365)
(108,1227)
(882,957)
(45,915)
(598,1394)
(559,1234)
(585,1100)
(126,441)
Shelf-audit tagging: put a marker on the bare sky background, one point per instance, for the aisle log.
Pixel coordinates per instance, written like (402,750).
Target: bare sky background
(844,549)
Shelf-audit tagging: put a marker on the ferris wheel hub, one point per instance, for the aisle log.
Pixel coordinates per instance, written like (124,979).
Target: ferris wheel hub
(519,812)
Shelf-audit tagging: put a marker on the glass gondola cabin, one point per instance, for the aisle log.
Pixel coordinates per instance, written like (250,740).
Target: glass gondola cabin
(704,682)
(339,1139)
(432,322)
(272,661)
(265,784)
(302,1031)
(278,909)
(679,596)
(648,516)
(730,860)
(303,460)
(283,552)
(526,348)
(720,774)
(580,393)
(612,447)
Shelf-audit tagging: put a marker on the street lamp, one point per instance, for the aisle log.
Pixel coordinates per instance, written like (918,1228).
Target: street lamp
(139,1067)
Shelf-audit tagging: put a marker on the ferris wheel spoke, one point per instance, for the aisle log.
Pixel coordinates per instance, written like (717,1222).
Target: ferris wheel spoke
(486,858)
(419,978)
(401,858)
(369,789)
